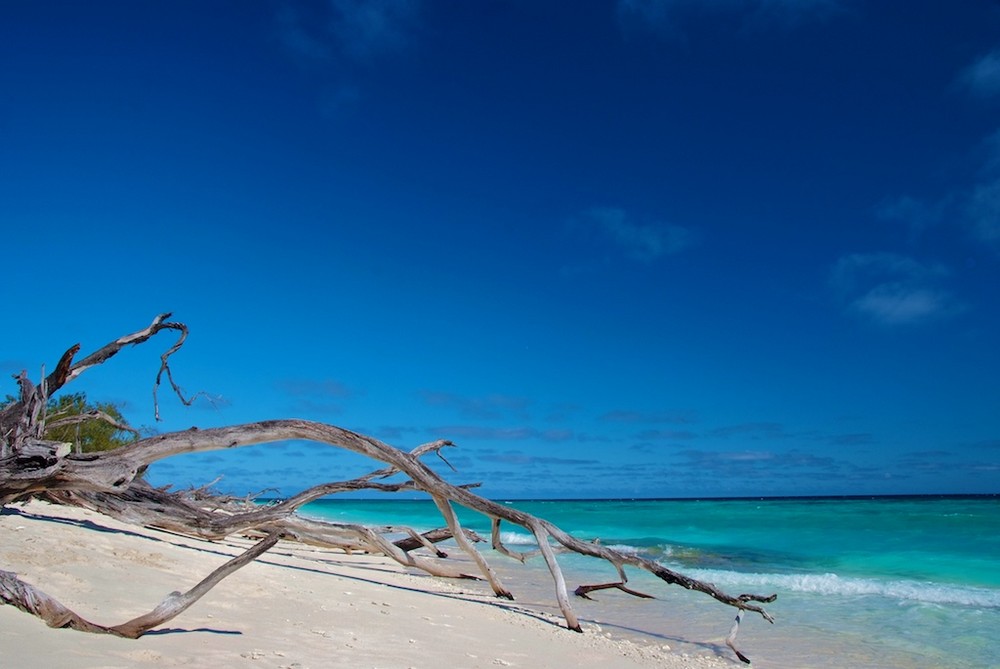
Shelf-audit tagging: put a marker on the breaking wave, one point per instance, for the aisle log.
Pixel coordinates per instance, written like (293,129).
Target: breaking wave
(832,584)
(517,539)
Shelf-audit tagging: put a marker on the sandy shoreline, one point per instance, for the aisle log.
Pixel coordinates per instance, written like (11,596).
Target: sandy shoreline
(296,607)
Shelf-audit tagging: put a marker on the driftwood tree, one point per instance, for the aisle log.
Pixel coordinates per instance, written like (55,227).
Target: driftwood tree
(109,482)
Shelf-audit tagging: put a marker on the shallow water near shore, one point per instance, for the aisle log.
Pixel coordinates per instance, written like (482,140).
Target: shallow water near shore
(883,582)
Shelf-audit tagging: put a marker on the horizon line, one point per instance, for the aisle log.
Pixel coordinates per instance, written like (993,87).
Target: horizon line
(682,499)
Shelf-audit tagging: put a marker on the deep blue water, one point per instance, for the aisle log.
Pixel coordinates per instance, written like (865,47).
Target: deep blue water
(875,582)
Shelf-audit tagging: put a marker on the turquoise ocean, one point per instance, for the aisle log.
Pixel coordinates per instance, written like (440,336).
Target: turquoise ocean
(883,582)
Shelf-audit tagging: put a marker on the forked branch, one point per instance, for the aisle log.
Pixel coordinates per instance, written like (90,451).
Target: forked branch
(108,482)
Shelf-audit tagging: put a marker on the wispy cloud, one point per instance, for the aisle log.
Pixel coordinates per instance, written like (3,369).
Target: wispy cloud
(892,289)
(851,439)
(761,463)
(666,435)
(667,416)
(522,459)
(562,412)
(760,431)
(751,431)
(368,28)
(489,407)
(646,241)
(314,388)
(988,443)
(895,303)
(297,35)
(982,78)
(983,212)
(982,204)
(355,29)
(314,396)
(394,432)
(974,211)
(936,463)
(666,17)
(797,10)
(499,433)
(917,215)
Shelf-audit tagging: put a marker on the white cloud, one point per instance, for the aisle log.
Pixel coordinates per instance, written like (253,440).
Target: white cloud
(892,289)
(898,303)
(644,242)
(983,76)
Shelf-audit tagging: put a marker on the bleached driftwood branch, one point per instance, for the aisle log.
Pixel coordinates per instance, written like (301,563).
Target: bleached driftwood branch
(107,482)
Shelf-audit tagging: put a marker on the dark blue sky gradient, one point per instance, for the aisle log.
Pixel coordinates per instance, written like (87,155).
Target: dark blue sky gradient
(635,248)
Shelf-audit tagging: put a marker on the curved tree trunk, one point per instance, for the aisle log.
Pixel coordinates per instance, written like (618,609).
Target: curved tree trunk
(107,482)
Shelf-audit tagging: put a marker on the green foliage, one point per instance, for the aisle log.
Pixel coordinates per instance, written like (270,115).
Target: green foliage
(92,434)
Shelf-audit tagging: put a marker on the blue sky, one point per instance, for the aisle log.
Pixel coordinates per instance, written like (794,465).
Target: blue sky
(637,248)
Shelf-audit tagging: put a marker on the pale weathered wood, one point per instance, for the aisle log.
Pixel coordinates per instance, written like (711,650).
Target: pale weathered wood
(176,603)
(585,590)
(731,637)
(108,482)
(30,599)
(542,537)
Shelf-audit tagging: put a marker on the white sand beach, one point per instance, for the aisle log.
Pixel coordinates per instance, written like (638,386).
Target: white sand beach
(296,607)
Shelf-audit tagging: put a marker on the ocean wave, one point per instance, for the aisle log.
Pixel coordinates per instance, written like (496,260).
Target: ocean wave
(833,584)
(517,539)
